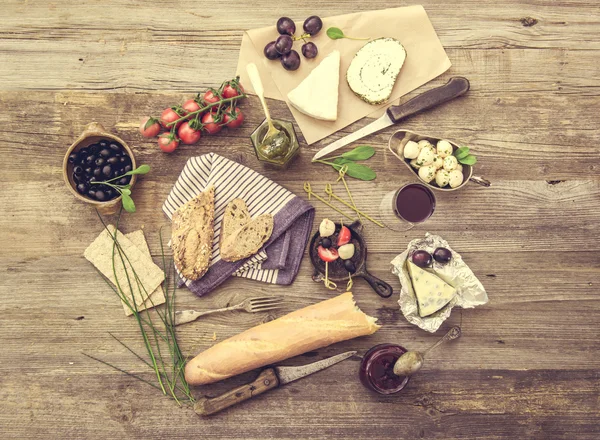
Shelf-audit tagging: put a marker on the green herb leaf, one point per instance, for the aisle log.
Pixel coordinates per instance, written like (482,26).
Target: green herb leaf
(335,33)
(142,169)
(461,152)
(360,172)
(362,152)
(125,191)
(468,160)
(128,203)
(341,161)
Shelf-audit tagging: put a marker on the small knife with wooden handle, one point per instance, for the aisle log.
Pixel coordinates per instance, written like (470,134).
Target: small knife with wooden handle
(267,380)
(454,88)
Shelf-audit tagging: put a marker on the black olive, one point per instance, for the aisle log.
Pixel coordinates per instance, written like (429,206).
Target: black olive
(349,265)
(97,171)
(77,169)
(103,144)
(123,180)
(93,148)
(127,168)
(76,178)
(83,153)
(105,153)
(110,193)
(115,147)
(113,160)
(100,195)
(107,170)
(326,243)
(93,179)
(90,159)
(100,161)
(82,188)
(72,157)
(88,171)
(116,173)
(91,194)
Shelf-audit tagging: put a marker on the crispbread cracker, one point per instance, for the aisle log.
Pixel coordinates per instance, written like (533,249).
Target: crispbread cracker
(157,297)
(99,253)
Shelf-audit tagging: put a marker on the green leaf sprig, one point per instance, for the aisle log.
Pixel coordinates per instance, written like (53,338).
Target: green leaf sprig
(462,156)
(348,160)
(337,34)
(125,190)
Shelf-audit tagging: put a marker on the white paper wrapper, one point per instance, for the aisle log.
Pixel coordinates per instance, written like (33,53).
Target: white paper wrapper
(469,290)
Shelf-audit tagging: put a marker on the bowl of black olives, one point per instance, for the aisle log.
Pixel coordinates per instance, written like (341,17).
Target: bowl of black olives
(98,156)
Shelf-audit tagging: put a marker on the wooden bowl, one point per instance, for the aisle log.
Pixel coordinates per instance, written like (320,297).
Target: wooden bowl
(399,139)
(94,132)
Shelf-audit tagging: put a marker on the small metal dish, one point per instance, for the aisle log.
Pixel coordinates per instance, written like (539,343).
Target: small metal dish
(399,139)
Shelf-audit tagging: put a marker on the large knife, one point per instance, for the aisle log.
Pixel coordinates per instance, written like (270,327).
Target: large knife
(454,88)
(267,380)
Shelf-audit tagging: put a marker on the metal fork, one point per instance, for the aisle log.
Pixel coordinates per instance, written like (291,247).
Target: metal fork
(250,305)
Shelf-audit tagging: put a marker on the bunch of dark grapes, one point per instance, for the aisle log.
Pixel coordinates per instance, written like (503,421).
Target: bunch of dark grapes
(282,47)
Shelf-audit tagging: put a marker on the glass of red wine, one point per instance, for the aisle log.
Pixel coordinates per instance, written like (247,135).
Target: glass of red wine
(400,210)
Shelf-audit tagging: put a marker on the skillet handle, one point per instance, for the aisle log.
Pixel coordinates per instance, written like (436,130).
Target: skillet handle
(382,288)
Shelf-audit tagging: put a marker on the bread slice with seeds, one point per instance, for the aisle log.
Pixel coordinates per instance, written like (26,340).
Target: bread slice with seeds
(236,216)
(193,233)
(247,240)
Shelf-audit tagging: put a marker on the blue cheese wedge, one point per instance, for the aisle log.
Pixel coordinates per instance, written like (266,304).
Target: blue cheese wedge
(317,94)
(375,68)
(431,291)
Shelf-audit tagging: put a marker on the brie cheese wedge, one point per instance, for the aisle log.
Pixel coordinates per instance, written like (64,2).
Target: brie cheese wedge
(432,292)
(317,94)
(375,68)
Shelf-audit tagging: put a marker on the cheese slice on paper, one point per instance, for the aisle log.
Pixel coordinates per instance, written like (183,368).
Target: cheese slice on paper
(317,94)
(431,291)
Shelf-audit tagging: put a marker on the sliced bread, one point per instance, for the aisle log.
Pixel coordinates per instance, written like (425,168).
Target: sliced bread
(236,216)
(247,240)
(192,235)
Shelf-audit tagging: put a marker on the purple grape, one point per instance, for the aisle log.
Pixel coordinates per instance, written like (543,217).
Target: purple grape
(285,26)
(422,258)
(312,25)
(290,61)
(270,51)
(309,50)
(283,44)
(442,255)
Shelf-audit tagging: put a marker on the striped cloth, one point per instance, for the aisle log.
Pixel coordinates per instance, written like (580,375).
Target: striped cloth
(279,260)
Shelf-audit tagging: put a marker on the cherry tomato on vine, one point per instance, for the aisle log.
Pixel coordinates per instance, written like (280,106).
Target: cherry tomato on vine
(229,91)
(235,121)
(210,125)
(149,127)
(210,98)
(190,106)
(169,115)
(187,134)
(167,142)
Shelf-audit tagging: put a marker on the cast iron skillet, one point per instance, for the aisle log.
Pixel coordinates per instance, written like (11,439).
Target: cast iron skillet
(337,272)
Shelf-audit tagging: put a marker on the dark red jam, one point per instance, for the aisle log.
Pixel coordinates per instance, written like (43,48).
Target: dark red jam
(377,369)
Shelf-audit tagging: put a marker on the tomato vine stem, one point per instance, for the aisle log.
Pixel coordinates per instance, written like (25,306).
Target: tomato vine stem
(203,109)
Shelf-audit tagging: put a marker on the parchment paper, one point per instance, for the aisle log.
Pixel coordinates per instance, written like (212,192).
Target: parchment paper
(425,60)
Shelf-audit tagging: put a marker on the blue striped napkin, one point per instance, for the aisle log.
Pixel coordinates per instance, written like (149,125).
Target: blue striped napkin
(279,260)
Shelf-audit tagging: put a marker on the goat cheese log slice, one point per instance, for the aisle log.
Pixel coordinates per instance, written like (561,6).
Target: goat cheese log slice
(317,94)
(375,68)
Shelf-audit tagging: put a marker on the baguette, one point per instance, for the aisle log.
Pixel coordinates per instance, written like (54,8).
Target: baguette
(247,240)
(313,327)
(192,235)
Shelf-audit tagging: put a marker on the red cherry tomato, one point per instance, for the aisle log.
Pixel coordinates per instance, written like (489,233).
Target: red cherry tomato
(167,142)
(230,91)
(187,134)
(210,125)
(190,106)
(327,255)
(344,236)
(149,127)
(233,122)
(169,115)
(210,98)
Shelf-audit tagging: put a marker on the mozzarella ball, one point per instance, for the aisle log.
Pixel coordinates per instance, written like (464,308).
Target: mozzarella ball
(427,173)
(459,167)
(424,143)
(346,251)
(444,148)
(411,150)
(326,228)
(456,178)
(425,156)
(414,164)
(438,162)
(442,178)
(450,163)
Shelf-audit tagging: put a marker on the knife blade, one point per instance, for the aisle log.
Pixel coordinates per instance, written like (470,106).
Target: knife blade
(454,88)
(267,380)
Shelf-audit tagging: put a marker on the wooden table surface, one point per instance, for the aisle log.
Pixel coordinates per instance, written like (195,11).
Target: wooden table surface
(527,366)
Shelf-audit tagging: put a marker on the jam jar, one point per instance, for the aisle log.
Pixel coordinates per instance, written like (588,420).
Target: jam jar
(377,369)
(280,151)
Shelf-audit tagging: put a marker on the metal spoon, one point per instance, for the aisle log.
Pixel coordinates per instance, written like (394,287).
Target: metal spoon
(412,361)
(273,132)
